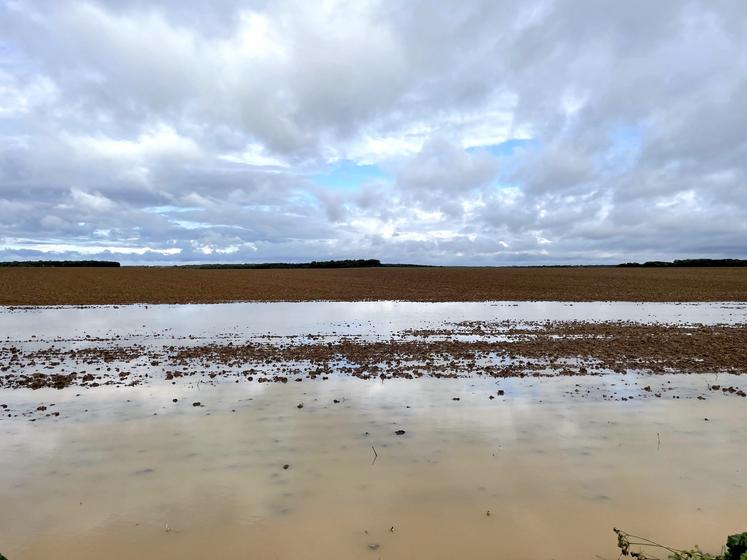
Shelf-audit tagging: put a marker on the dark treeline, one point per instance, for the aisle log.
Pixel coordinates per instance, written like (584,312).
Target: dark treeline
(689,263)
(375,263)
(348,263)
(108,264)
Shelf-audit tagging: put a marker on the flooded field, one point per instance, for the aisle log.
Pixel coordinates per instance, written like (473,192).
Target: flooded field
(530,458)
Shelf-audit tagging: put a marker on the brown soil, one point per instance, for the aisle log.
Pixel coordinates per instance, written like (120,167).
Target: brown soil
(502,350)
(91,286)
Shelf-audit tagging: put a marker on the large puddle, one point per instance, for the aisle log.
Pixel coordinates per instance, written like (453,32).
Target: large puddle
(544,470)
(300,318)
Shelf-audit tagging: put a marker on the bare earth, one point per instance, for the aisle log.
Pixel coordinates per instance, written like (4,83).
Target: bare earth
(498,350)
(92,286)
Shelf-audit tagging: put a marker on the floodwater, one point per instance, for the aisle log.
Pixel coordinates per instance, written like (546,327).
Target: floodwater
(543,471)
(383,318)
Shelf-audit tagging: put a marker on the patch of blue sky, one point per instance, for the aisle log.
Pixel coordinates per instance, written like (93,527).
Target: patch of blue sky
(625,149)
(11,58)
(628,134)
(302,196)
(504,151)
(168,209)
(506,148)
(346,174)
(189,224)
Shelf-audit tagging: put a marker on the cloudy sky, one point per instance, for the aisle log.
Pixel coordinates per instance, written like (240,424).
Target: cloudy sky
(452,132)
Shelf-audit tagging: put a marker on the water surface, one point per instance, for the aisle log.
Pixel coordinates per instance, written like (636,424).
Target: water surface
(544,470)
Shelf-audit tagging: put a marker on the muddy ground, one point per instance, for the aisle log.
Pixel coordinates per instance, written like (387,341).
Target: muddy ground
(91,286)
(495,349)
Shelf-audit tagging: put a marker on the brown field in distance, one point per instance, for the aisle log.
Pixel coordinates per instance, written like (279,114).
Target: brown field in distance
(89,286)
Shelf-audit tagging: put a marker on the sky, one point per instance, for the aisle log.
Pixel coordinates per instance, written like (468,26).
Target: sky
(465,132)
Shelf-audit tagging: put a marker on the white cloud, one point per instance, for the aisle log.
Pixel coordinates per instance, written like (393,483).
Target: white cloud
(90,201)
(158,143)
(191,130)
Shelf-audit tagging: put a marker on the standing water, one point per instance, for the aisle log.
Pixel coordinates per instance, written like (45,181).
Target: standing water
(351,468)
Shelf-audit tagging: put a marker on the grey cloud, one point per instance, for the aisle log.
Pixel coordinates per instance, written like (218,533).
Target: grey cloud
(197,127)
(442,166)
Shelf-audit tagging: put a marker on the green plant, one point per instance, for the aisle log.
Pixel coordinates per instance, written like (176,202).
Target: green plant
(736,547)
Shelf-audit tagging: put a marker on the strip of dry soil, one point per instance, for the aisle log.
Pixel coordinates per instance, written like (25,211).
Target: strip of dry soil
(98,286)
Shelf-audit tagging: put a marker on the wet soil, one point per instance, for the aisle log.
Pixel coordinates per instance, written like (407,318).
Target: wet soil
(495,349)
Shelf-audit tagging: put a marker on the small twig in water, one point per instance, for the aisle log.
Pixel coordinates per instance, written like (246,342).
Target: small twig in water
(658,441)
(376,455)
(624,543)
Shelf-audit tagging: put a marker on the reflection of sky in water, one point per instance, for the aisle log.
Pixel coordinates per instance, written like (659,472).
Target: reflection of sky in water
(302,318)
(561,458)
(540,460)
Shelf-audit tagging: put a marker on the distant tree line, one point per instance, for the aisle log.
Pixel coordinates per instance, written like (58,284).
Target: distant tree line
(348,263)
(107,264)
(689,263)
